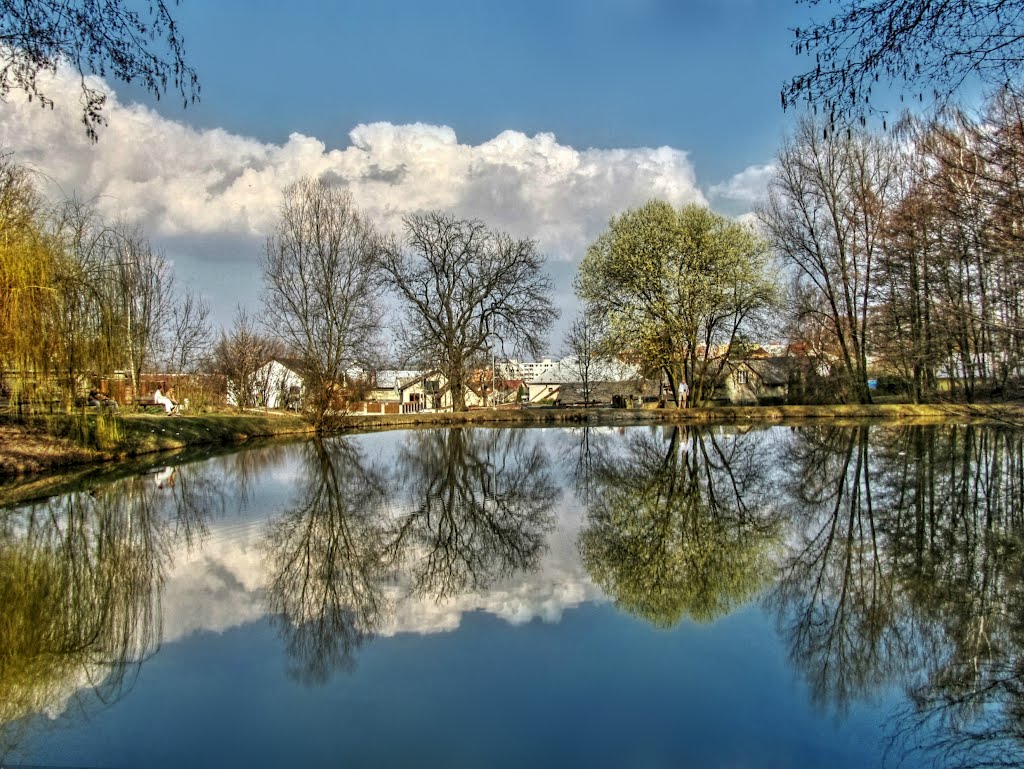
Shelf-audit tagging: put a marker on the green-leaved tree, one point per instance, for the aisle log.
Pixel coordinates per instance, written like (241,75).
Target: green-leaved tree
(675,288)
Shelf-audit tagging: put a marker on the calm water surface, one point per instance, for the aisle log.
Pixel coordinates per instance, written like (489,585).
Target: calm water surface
(629,597)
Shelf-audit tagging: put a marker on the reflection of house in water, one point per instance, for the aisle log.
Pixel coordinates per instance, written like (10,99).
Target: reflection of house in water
(164,476)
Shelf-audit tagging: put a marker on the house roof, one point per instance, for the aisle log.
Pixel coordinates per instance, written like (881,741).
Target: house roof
(294,364)
(566,372)
(603,392)
(390,378)
(772,371)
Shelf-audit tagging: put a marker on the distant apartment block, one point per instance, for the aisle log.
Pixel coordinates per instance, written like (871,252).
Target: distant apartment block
(526,370)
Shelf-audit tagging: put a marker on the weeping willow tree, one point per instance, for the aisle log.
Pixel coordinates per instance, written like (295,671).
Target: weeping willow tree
(27,295)
(84,316)
(78,295)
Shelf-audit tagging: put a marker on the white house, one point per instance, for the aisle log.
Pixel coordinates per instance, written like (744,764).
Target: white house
(277,384)
(547,385)
(415,390)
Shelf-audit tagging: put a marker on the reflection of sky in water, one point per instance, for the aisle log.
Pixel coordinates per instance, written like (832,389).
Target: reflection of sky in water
(599,689)
(219,584)
(535,665)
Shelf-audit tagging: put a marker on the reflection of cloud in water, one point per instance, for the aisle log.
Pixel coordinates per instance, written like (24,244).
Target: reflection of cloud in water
(216,591)
(545,594)
(221,585)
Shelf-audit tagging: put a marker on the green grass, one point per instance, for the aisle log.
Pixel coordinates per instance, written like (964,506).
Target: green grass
(59,440)
(46,443)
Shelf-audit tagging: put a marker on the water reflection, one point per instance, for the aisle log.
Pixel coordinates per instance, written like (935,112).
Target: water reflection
(457,510)
(909,572)
(679,522)
(956,514)
(477,507)
(326,559)
(80,579)
(888,557)
(836,594)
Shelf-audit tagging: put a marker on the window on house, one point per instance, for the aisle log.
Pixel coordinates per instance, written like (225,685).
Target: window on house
(741,377)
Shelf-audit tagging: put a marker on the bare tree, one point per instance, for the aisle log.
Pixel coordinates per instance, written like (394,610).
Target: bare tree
(189,336)
(826,213)
(142,288)
(464,285)
(321,270)
(98,36)
(239,356)
(581,347)
(930,47)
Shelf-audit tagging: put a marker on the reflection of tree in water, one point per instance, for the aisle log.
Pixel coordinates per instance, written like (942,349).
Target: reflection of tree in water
(835,595)
(910,572)
(680,526)
(478,508)
(241,469)
(957,500)
(327,558)
(578,455)
(80,579)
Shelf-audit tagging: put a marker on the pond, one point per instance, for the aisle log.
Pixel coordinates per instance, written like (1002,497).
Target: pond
(474,597)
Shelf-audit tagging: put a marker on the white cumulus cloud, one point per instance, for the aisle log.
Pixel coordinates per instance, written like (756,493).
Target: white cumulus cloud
(207,199)
(178,181)
(749,187)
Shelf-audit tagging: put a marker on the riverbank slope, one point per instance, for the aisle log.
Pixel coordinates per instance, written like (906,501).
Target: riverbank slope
(61,441)
(58,442)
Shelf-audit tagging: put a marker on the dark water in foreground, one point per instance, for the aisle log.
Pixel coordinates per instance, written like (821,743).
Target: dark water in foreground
(638,597)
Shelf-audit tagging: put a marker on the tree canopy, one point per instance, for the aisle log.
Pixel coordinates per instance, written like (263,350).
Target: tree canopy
(102,37)
(465,289)
(675,288)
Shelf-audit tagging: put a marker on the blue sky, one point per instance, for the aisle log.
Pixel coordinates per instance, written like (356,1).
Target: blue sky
(543,119)
(701,75)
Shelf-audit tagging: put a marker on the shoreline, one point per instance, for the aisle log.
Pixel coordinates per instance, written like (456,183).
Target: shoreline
(28,450)
(43,445)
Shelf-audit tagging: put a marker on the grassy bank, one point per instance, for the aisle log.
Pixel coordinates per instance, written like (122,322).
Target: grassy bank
(59,441)
(62,441)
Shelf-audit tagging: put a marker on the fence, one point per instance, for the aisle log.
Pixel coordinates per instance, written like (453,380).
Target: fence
(386,407)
